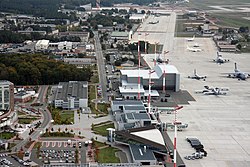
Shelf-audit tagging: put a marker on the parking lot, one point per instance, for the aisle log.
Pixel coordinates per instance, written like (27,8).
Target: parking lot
(220,122)
(60,151)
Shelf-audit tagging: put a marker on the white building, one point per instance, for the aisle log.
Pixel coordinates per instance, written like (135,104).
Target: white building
(164,75)
(65,45)
(42,45)
(138,17)
(71,95)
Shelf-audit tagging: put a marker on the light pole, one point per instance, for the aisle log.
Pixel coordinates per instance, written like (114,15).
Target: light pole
(146,34)
(139,63)
(149,90)
(175,132)
(156,43)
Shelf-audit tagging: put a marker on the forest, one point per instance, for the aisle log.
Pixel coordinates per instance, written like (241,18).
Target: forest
(36,69)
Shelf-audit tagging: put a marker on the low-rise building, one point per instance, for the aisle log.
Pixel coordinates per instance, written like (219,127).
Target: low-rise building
(22,97)
(71,95)
(131,114)
(80,62)
(120,35)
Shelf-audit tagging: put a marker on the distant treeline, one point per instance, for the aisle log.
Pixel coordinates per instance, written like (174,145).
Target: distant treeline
(13,37)
(34,69)
(49,8)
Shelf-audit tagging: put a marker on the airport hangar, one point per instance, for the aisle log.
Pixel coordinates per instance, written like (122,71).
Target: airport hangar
(129,81)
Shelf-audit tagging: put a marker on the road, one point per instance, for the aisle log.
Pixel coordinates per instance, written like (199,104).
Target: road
(101,67)
(45,122)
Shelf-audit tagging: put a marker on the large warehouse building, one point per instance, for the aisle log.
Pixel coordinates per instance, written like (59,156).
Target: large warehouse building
(163,74)
(71,95)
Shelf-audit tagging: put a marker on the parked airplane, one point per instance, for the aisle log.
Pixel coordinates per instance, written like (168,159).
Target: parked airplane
(196,76)
(154,22)
(193,49)
(219,59)
(196,45)
(190,39)
(238,74)
(213,91)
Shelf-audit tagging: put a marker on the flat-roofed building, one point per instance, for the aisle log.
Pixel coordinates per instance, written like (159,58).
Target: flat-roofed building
(22,97)
(65,45)
(138,18)
(163,74)
(120,35)
(71,95)
(80,62)
(131,114)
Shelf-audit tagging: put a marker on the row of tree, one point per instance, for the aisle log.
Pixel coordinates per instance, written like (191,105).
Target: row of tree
(34,69)
(13,37)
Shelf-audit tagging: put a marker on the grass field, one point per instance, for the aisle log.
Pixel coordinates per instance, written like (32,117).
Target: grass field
(107,155)
(101,129)
(67,116)
(26,120)
(62,116)
(7,135)
(231,19)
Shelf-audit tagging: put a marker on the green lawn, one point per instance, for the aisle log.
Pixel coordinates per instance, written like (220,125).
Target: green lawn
(103,107)
(57,134)
(26,120)
(62,117)
(98,144)
(94,78)
(92,92)
(107,155)
(67,117)
(102,129)
(6,135)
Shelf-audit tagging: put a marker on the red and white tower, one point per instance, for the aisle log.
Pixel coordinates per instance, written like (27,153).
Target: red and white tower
(98,4)
(164,73)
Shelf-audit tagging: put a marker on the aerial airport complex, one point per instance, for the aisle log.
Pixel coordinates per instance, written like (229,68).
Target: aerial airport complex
(216,115)
(185,104)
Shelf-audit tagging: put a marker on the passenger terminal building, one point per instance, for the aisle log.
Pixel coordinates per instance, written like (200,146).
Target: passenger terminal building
(162,73)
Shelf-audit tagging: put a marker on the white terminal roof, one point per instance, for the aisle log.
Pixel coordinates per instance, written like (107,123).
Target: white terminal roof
(159,70)
(153,135)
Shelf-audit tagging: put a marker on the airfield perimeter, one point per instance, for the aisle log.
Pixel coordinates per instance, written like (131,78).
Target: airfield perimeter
(222,123)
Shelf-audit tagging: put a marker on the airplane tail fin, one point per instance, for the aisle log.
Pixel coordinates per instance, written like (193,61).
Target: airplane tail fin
(194,71)
(235,67)
(193,37)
